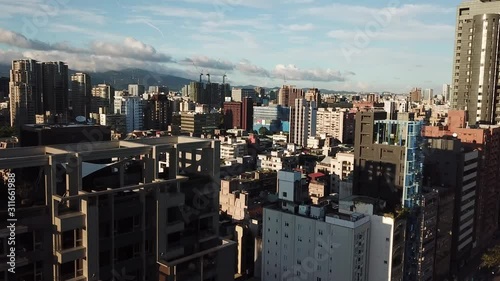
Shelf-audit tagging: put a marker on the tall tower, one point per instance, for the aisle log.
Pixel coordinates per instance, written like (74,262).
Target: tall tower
(103,97)
(302,121)
(25,88)
(81,91)
(55,89)
(476,60)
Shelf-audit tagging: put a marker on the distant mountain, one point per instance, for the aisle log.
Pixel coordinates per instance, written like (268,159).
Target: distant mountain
(120,80)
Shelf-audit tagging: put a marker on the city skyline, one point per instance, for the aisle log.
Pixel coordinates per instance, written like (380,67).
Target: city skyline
(253,42)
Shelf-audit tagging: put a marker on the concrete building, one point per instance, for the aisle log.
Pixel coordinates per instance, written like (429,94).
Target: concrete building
(158,112)
(81,92)
(275,118)
(336,123)
(121,219)
(303,118)
(312,242)
(416,95)
(486,139)
(390,107)
(136,90)
(132,107)
(25,92)
(55,90)
(475,65)
(116,122)
(338,168)
(387,237)
(446,92)
(4,88)
(239,114)
(451,166)
(102,97)
(233,149)
(388,159)
(239,94)
(197,124)
(276,161)
(288,94)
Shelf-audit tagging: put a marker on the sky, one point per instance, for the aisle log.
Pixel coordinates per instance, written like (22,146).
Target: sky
(364,45)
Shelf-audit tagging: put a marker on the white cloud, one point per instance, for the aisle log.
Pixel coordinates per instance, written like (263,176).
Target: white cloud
(178,12)
(298,27)
(130,48)
(293,73)
(206,62)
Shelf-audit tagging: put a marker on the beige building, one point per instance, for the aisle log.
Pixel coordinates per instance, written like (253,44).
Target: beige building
(476,58)
(339,168)
(126,221)
(25,92)
(334,123)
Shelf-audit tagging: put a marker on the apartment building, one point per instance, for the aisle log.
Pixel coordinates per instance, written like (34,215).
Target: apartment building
(116,214)
(302,121)
(81,92)
(336,123)
(338,168)
(312,242)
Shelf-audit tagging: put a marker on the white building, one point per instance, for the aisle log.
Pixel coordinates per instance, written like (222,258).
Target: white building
(330,121)
(309,244)
(302,121)
(131,106)
(136,90)
(339,168)
(233,150)
(276,160)
(390,107)
(387,238)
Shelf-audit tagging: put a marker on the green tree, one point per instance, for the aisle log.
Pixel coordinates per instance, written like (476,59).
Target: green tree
(491,259)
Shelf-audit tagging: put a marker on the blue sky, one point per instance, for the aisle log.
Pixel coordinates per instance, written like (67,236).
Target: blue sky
(359,45)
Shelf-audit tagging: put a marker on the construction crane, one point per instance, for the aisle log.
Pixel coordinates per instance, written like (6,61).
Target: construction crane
(224,79)
(208,75)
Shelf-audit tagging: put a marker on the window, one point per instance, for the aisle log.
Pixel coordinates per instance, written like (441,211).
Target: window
(285,194)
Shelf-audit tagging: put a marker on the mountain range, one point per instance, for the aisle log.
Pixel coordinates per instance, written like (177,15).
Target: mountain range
(120,79)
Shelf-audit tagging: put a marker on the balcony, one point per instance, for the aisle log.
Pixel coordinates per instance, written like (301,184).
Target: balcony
(174,251)
(70,254)
(69,221)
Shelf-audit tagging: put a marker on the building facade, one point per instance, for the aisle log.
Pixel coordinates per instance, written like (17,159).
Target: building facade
(303,118)
(136,223)
(81,93)
(476,58)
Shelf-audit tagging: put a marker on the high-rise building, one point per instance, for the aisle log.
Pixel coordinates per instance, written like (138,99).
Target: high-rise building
(416,95)
(336,123)
(103,98)
(388,159)
(486,139)
(288,94)
(151,213)
(158,112)
(428,95)
(136,90)
(302,121)
(4,88)
(81,93)
(451,167)
(476,59)
(55,89)
(390,107)
(132,107)
(25,92)
(446,92)
(271,117)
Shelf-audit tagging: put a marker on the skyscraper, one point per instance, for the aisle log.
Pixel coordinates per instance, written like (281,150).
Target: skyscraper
(158,112)
(288,94)
(81,91)
(55,89)
(475,70)
(25,92)
(302,121)
(136,90)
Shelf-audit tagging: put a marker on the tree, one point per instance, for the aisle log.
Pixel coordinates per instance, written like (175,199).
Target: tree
(263,131)
(491,259)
